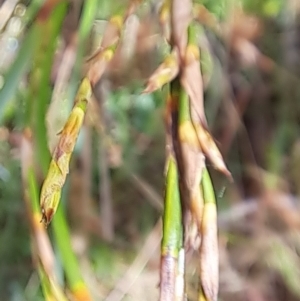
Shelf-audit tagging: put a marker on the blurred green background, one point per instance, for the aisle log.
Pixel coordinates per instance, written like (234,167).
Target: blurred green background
(250,59)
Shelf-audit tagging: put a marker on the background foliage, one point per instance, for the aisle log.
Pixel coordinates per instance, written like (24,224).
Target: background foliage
(250,61)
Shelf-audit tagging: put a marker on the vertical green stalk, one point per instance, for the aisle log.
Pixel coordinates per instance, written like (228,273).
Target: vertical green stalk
(172,228)
(172,233)
(184,107)
(33,191)
(68,258)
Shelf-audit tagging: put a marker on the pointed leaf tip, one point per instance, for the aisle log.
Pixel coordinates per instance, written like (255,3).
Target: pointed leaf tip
(211,150)
(165,73)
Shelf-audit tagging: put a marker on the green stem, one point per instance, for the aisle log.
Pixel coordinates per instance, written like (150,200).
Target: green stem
(68,258)
(172,221)
(33,191)
(207,188)
(172,234)
(184,106)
